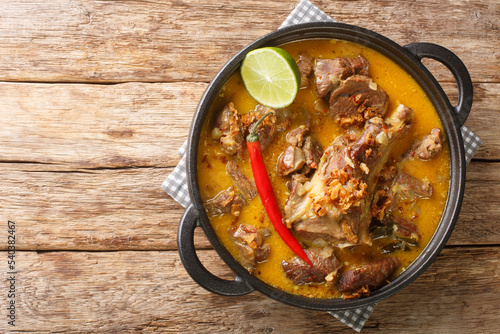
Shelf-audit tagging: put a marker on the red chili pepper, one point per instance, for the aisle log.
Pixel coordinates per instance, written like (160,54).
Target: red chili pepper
(267,194)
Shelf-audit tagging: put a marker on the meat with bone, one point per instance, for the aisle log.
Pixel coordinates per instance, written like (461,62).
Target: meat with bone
(250,244)
(429,146)
(305,65)
(335,204)
(358,99)
(325,266)
(330,73)
(242,182)
(227,201)
(371,275)
(229,130)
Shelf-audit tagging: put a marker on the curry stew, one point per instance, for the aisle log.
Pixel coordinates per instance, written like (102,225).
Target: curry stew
(358,164)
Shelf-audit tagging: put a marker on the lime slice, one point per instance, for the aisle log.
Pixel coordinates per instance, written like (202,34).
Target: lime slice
(271,76)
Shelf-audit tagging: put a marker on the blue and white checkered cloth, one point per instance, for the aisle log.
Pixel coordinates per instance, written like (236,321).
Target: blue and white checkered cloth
(176,183)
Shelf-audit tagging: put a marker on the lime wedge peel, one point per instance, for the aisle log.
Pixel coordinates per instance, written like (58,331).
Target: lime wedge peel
(271,76)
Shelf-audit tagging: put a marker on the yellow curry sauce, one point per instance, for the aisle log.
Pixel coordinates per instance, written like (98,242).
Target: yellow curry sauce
(400,87)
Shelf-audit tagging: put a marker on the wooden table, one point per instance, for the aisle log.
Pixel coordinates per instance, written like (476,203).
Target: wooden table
(97,96)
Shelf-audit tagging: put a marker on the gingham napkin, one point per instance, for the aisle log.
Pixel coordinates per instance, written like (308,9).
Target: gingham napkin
(176,186)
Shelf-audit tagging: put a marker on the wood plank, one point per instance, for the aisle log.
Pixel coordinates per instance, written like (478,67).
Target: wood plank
(107,209)
(138,124)
(485,108)
(91,209)
(91,126)
(480,200)
(126,292)
(102,41)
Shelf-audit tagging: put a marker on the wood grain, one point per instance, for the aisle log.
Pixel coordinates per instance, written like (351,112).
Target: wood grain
(117,41)
(484,110)
(127,292)
(90,209)
(125,209)
(91,126)
(138,124)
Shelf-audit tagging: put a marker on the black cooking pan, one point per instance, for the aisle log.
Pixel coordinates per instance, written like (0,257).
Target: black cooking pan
(452,117)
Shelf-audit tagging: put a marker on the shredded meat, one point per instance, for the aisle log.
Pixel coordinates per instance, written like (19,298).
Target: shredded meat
(325,266)
(250,244)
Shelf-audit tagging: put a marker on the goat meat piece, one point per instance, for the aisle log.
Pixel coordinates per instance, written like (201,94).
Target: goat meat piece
(266,129)
(371,275)
(312,151)
(429,146)
(243,183)
(336,201)
(227,201)
(329,74)
(325,266)
(406,230)
(296,136)
(229,130)
(359,65)
(305,65)
(250,244)
(357,100)
(291,160)
(409,187)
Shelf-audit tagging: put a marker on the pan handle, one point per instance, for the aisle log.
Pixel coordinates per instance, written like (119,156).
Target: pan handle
(190,260)
(457,68)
